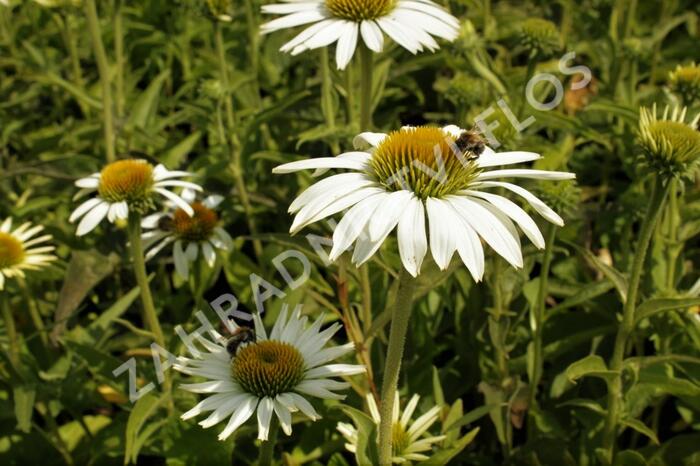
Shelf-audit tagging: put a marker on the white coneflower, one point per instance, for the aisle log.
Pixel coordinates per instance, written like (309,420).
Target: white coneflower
(670,146)
(419,174)
(124,185)
(189,234)
(411,23)
(409,442)
(22,250)
(272,374)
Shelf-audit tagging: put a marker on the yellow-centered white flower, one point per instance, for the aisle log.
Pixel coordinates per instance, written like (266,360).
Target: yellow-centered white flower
(190,235)
(126,185)
(409,441)
(22,250)
(418,175)
(411,23)
(274,374)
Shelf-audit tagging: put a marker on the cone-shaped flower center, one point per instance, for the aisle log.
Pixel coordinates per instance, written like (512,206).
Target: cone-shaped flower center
(126,180)
(11,251)
(424,160)
(198,227)
(400,440)
(671,143)
(268,368)
(359,10)
(685,81)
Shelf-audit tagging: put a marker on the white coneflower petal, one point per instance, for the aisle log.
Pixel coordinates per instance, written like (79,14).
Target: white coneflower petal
(268,375)
(122,186)
(19,252)
(408,438)
(418,175)
(412,24)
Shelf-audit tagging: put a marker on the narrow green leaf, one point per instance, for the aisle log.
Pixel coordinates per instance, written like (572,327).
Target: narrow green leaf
(147,103)
(657,305)
(142,410)
(640,427)
(590,366)
(24,397)
(445,456)
(366,452)
(612,274)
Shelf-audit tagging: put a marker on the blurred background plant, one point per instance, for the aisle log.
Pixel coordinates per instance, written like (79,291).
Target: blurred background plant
(522,356)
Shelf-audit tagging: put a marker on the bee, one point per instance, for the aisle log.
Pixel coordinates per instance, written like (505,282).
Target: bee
(241,336)
(471,144)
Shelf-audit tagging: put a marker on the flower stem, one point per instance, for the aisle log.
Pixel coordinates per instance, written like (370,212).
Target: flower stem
(34,313)
(538,319)
(397,339)
(118,26)
(327,106)
(103,69)
(10,328)
(366,69)
(658,195)
(232,140)
(267,448)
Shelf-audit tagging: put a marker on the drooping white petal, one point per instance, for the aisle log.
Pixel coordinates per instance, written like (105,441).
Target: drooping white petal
(413,242)
(489,158)
(443,243)
(92,218)
(372,35)
(242,414)
(265,408)
(543,209)
(346,44)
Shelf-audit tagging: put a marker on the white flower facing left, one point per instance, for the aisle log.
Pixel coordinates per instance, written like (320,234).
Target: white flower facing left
(125,185)
(22,250)
(411,23)
(271,375)
(192,236)
(417,176)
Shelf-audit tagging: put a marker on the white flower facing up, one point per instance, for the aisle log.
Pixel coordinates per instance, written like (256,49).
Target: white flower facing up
(415,176)
(22,250)
(409,442)
(411,23)
(190,235)
(124,185)
(275,374)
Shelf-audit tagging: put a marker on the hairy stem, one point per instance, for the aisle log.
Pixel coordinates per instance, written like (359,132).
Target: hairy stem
(658,195)
(103,70)
(397,339)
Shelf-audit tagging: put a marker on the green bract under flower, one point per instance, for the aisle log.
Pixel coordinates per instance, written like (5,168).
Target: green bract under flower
(670,146)
(268,368)
(358,10)
(11,250)
(423,160)
(541,36)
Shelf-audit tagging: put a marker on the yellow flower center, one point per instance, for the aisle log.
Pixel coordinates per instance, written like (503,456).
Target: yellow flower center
(424,160)
(11,251)
(400,440)
(198,227)
(268,368)
(671,144)
(126,180)
(359,10)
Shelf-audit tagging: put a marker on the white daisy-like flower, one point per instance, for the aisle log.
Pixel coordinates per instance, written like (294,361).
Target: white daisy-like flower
(124,185)
(22,250)
(419,175)
(408,439)
(273,374)
(189,234)
(411,23)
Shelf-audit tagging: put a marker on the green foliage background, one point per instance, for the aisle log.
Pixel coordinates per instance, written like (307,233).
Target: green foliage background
(470,345)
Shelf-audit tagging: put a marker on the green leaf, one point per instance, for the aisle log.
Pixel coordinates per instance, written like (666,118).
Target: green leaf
(583,296)
(175,156)
(24,396)
(142,410)
(115,311)
(590,366)
(657,305)
(612,274)
(640,427)
(445,456)
(473,416)
(143,110)
(438,394)
(629,458)
(366,452)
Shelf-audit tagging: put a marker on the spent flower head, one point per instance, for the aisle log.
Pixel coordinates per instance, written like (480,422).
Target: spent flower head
(670,145)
